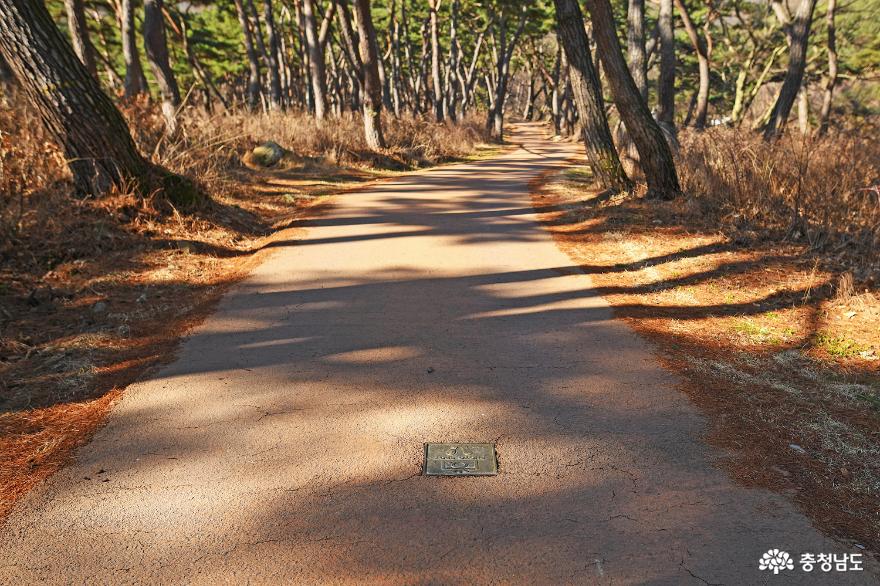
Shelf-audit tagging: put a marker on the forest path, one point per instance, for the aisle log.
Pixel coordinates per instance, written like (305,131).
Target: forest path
(285,442)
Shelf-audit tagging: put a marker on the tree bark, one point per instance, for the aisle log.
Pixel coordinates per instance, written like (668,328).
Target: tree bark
(369,52)
(135,81)
(700,48)
(598,143)
(655,156)
(831,82)
(666,81)
(79,35)
(156,49)
(80,117)
(254,79)
(317,67)
(635,41)
(7,83)
(794,75)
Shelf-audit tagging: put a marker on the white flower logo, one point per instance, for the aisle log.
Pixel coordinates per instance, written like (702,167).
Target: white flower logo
(775,560)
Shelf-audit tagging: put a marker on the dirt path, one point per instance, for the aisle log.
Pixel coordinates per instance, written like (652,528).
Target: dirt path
(284,444)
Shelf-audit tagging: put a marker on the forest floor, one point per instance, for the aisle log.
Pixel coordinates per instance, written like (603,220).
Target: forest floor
(74,336)
(775,343)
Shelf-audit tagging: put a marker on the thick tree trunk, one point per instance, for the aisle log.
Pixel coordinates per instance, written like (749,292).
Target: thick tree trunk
(435,60)
(599,145)
(135,81)
(655,156)
(666,81)
(79,34)
(81,118)
(794,76)
(369,52)
(831,82)
(700,47)
(254,82)
(635,41)
(317,68)
(156,49)
(273,61)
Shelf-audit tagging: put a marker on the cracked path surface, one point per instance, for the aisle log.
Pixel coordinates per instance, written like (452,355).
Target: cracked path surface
(285,442)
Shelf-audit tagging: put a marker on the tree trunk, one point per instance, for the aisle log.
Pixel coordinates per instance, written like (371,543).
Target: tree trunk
(702,95)
(335,85)
(435,61)
(804,110)
(635,41)
(275,99)
(794,75)
(469,78)
(495,120)
(135,81)
(7,83)
(529,102)
(369,52)
(666,81)
(79,34)
(655,156)
(828,96)
(450,99)
(317,68)
(156,49)
(394,34)
(556,96)
(179,27)
(601,153)
(76,113)
(254,82)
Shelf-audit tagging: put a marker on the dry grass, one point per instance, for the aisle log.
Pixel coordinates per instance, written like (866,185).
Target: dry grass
(209,144)
(776,339)
(824,192)
(93,293)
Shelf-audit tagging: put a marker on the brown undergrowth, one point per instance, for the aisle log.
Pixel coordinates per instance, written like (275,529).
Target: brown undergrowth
(777,341)
(93,293)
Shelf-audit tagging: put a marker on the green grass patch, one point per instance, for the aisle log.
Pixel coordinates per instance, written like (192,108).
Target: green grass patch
(758,333)
(579,174)
(838,346)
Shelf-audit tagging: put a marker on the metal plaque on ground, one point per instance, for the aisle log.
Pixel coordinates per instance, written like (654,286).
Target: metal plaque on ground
(460,460)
